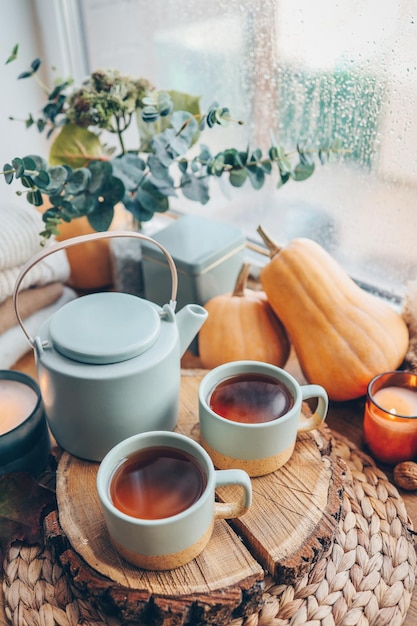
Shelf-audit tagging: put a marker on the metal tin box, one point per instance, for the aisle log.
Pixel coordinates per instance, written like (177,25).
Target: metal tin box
(208,255)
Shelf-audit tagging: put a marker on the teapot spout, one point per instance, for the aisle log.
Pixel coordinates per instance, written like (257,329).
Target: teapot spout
(189,321)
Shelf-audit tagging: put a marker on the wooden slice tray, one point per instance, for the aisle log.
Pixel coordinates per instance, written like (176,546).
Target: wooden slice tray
(290,525)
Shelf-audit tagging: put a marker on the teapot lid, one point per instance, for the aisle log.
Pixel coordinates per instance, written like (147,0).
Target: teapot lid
(104,328)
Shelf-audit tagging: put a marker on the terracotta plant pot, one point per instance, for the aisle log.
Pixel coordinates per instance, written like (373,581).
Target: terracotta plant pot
(90,262)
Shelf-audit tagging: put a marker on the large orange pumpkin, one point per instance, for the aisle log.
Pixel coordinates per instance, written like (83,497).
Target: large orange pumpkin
(343,336)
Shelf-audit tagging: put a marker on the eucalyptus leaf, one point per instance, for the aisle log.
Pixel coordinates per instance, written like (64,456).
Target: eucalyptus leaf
(19,167)
(27,181)
(29,163)
(150,114)
(130,169)
(24,75)
(8,172)
(13,54)
(195,188)
(151,198)
(58,177)
(35,198)
(217,165)
(285,166)
(256,176)
(169,146)
(234,158)
(35,65)
(302,171)
(238,178)
(42,180)
(114,191)
(139,212)
(59,88)
(62,210)
(184,123)
(281,152)
(50,111)
(101,218)
(266,166)
(283,178)
(180,102)
(164,185)
(100,172)
(148,101)
(256,155)
(323,156)
(205,154)
(157,169)
(222,116)
(273,153)
(84,204)
(305,158)
(195,166)
(36,162)
(79,181)
(183,165)
(160,146)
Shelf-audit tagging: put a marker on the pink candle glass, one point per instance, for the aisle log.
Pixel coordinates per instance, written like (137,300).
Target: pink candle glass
(390,419)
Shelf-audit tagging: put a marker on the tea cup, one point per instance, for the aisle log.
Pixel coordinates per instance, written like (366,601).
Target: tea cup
(250,413)
(157,494)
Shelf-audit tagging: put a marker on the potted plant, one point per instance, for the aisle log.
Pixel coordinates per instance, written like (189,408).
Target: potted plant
(84,176)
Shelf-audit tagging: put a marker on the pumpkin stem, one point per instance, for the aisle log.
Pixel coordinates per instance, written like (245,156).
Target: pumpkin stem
(272,246)
(241,281)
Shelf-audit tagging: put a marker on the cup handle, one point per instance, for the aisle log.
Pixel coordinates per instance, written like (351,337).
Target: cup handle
(228,510)
(314,391)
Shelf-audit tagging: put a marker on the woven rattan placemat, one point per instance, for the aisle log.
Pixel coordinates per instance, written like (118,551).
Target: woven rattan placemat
(367,577)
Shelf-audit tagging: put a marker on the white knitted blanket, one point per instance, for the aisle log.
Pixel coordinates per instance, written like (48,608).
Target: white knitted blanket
(13,342)
(20,226)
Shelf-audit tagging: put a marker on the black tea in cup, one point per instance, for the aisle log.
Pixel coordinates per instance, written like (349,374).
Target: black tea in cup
(251,398)
(157,482)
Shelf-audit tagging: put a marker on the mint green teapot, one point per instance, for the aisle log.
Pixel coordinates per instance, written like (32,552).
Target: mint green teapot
(109,364)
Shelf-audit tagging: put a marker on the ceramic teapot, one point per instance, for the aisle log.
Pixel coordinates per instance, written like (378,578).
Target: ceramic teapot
(108,363)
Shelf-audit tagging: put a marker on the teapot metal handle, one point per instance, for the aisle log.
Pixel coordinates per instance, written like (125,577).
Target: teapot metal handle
(68,243)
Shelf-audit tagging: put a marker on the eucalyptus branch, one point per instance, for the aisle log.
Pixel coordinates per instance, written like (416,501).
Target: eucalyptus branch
(87,180)
(41,84)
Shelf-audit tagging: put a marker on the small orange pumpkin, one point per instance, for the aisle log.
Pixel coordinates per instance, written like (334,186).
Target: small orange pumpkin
(242,326)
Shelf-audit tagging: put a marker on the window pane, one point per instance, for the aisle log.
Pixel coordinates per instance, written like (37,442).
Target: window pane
(308,72)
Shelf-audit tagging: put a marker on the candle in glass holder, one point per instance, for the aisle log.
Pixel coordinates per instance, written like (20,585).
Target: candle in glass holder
(17,402)
(24,435)
(390,420)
